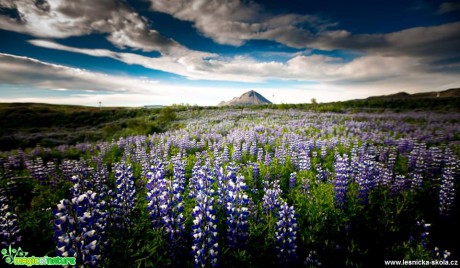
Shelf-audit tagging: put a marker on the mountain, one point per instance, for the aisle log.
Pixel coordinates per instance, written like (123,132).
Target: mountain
(247,99)
(449,93)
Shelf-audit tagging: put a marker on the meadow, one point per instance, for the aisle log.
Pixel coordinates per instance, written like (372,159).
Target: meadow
(241,188)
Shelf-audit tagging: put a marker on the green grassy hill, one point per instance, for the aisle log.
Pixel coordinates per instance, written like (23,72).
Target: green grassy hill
(28,124)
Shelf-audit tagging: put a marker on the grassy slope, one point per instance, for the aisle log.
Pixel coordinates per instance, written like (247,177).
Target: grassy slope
(25,124)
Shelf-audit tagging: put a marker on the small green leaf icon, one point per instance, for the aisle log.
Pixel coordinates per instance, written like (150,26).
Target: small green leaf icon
(4,251)
(14,250)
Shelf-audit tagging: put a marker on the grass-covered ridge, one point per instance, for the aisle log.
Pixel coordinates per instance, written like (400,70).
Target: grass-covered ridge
(25,125)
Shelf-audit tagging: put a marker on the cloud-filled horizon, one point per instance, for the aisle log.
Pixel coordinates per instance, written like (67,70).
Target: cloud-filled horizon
(133,53)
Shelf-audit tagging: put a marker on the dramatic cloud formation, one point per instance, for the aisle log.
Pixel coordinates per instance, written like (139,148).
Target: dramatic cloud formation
(300,67)
(24,70)
(234,22)
(312,51)
(65,18)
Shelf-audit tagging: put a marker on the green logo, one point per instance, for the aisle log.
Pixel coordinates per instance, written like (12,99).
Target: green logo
(11,253)
(19,257)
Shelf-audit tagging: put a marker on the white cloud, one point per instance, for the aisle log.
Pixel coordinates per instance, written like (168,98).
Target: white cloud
(21,70)
(234,22)
(64,18)
(322,69)
(128,91)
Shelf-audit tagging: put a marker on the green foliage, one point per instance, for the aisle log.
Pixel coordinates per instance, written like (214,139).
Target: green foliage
(27,125)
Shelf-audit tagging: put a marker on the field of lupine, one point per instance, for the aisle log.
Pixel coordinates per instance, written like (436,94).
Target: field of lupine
(239,188)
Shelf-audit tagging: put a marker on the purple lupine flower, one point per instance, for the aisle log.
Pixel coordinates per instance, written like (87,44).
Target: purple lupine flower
(205,246)
(286,234)
(280,155)
(179,172)
(244,148)
(232,169)
(255,171)
(312,259)
(236,156)
(447,191)
(424,233)
(156,186)
(65,233)
(386,176)
(415,175)
(391,161)
(192,185)
(400,184)
(436,159)
(50,171)
(79,228)
(341,180)
(292,180)
(441,254)
(225,155)
(9,230)
(91,221)
(272,196)
(125,198)
(237,213)
(176,219)
(268,159)
(37,170)
(100,180)
(172,218)
(365,177)
(323,152)
(304,162)
(253,149)
(66,168)
(260,154)
(321,174)
(16,160)
(221,184)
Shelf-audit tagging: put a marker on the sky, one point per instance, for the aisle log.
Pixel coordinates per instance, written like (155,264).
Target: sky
(162,52)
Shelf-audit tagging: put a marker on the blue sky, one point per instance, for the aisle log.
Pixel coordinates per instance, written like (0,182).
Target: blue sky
(133,53)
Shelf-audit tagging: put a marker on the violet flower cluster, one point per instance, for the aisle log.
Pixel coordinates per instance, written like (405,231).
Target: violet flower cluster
(237,213)
(205,246)
(124,200)
(9,230)
(286,234)
(341,180)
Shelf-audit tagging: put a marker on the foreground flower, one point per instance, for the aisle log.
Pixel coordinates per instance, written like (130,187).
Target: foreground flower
(125,198)
(204,228)
(341,180)
(9,231)
(237,213)
(286,234)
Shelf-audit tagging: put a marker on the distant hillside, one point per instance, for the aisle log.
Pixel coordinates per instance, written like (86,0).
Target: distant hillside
(449,93)
(28,124)
(247,99)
